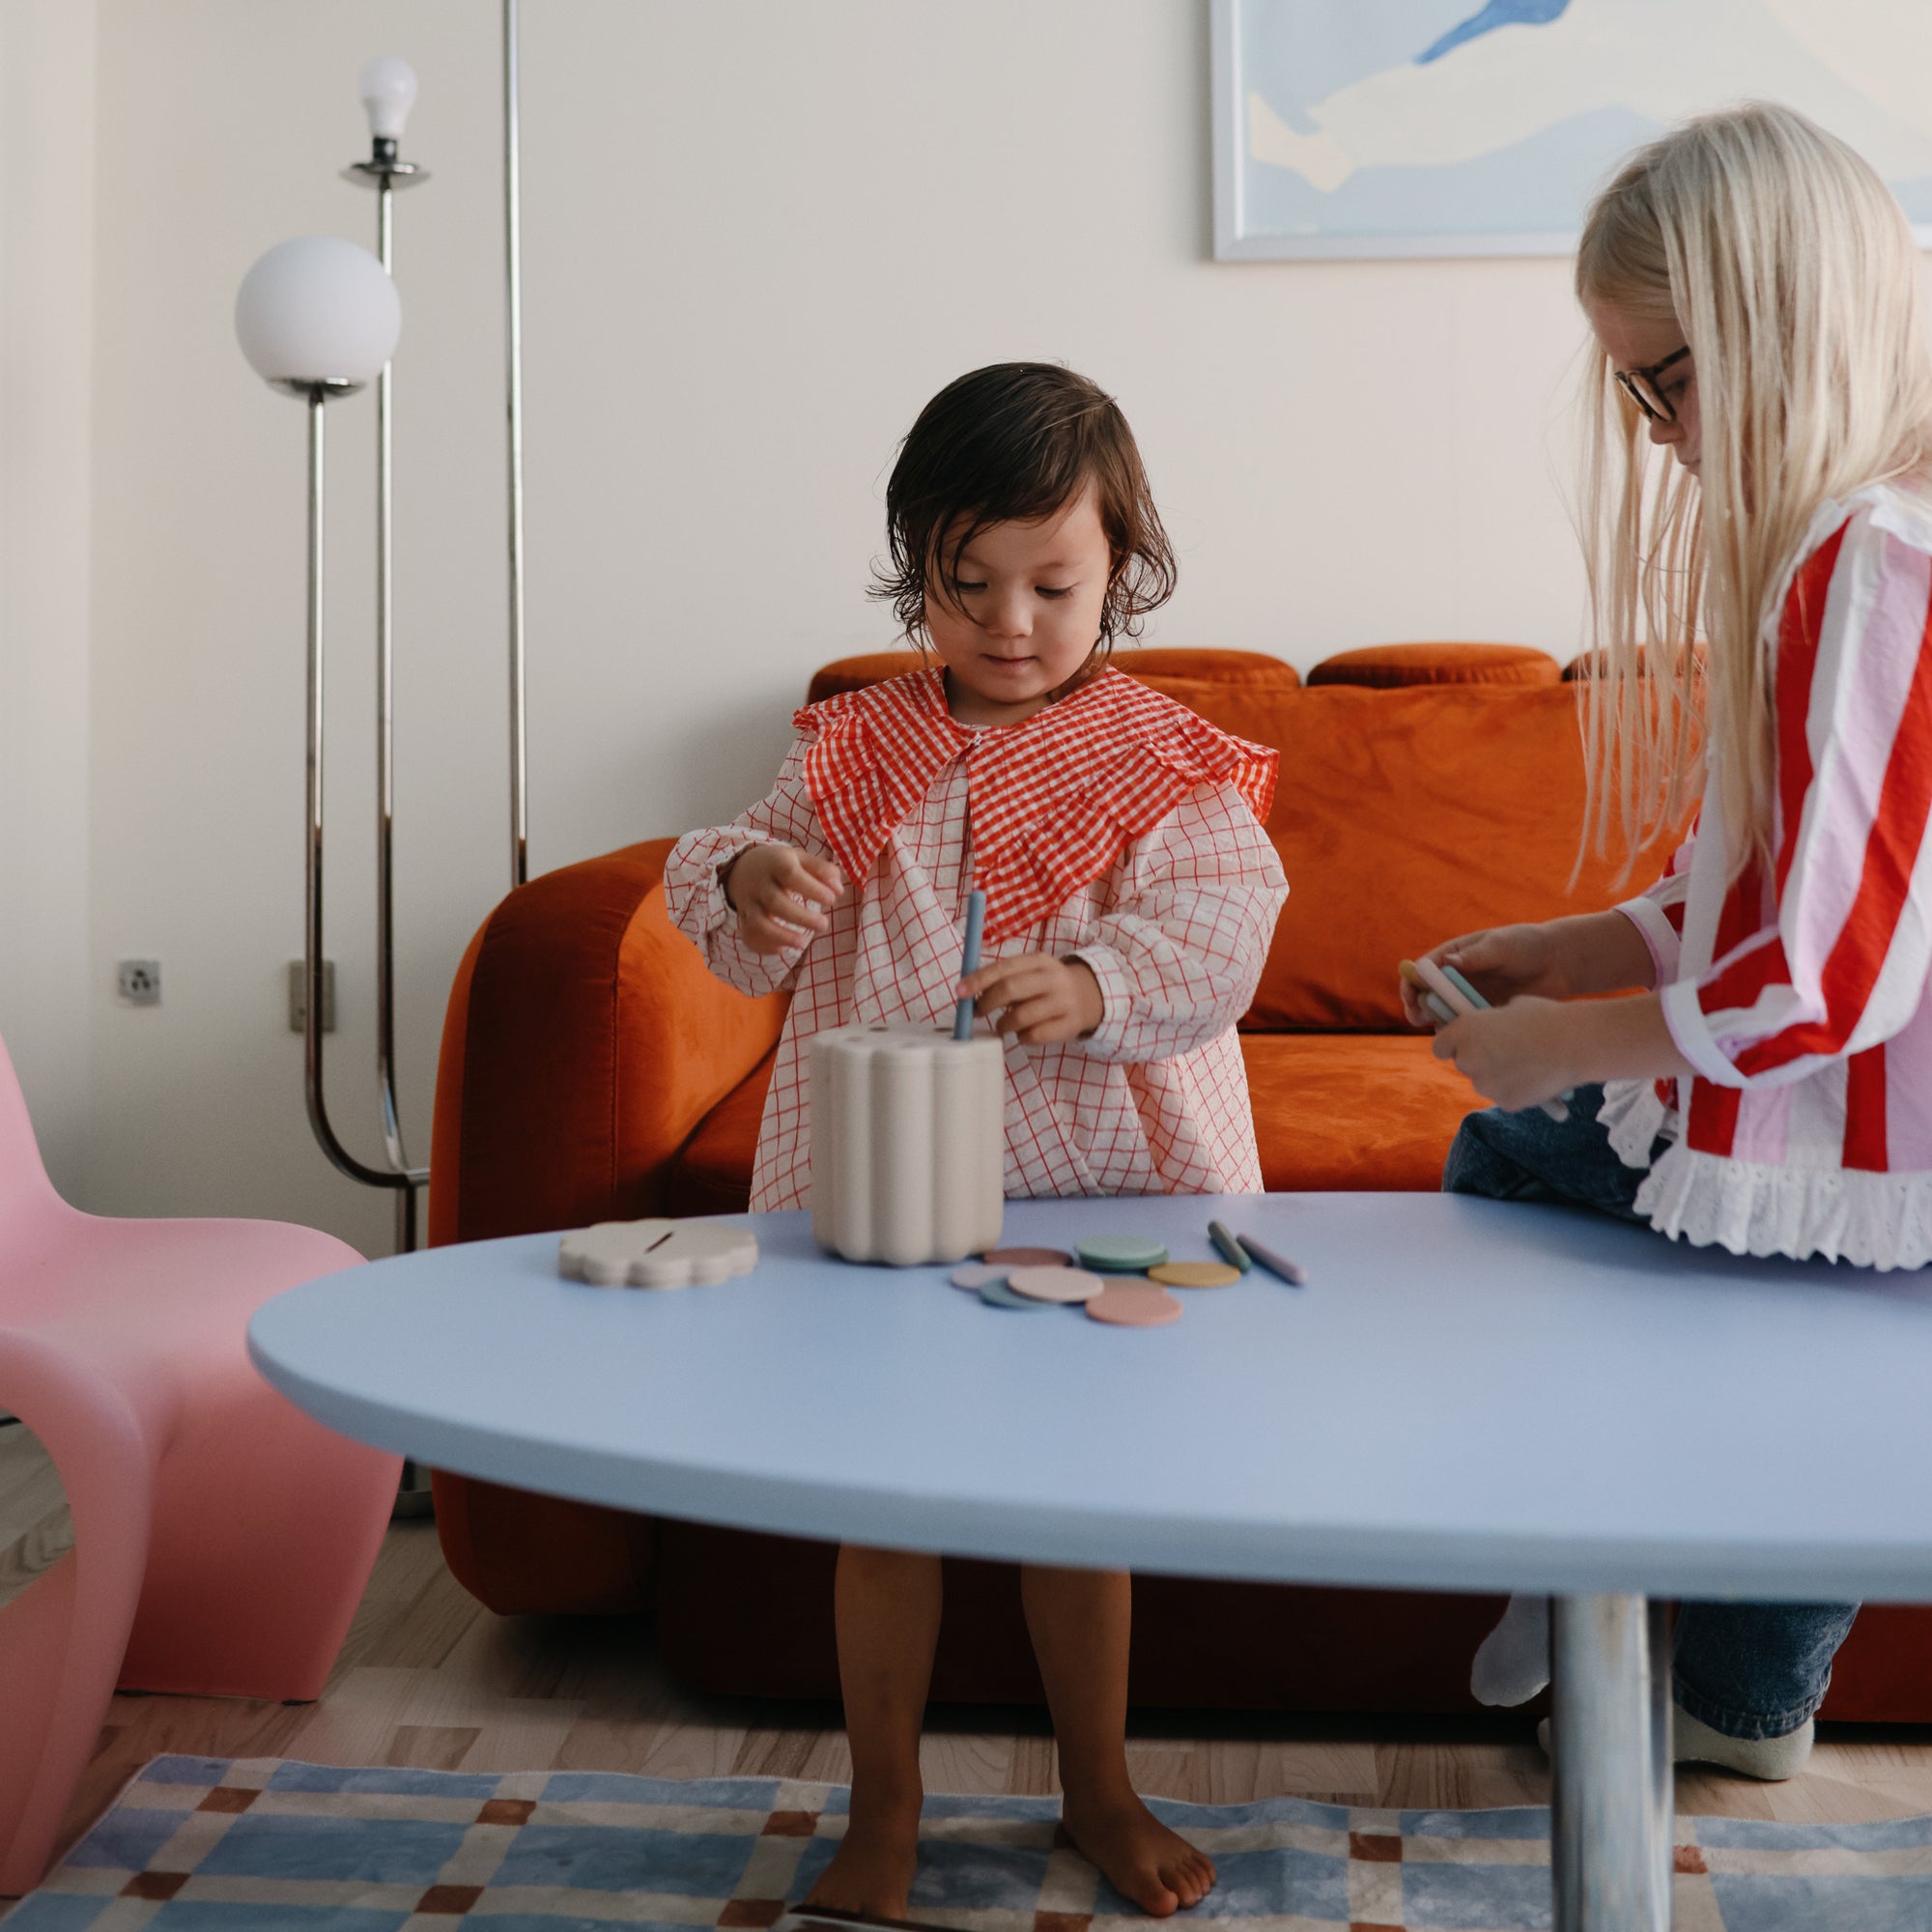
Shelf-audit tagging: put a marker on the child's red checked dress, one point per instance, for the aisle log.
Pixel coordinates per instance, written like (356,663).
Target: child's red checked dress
(1115,827)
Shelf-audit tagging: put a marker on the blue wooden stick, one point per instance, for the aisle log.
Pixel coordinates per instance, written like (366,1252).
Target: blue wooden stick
(968,960)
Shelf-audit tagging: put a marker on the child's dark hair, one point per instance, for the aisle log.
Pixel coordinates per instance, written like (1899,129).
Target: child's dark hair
(1013,442)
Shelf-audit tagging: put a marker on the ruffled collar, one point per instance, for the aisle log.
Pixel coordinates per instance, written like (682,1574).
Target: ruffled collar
(1054,800)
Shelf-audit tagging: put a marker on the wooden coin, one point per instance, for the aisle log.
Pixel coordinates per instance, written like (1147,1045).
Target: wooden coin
(1134,1304)
(1195,1274)
(997,1295)
(1028,1258)
(977,1274)
(1121,1254)
(1055,1283)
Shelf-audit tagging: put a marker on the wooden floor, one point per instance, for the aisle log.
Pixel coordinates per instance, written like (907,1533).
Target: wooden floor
(429,1678)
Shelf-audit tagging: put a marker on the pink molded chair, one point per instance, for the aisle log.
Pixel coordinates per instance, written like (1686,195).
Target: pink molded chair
(222,1540)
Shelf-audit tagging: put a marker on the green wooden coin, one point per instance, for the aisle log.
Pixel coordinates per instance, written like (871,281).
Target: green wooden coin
(1121,1254)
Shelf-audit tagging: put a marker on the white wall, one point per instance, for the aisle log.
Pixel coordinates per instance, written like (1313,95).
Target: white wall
(46,266)
(757,236)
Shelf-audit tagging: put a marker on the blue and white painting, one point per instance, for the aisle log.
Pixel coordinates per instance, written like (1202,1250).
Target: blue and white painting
(1454,126)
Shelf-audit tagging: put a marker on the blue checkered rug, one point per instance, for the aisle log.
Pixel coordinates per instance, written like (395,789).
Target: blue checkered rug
(263,1846)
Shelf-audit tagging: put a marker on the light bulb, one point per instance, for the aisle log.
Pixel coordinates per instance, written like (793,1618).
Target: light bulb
(318,309)
(387,86)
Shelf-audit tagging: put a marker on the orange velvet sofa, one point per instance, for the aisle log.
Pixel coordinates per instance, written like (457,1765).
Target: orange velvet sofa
(592,1069)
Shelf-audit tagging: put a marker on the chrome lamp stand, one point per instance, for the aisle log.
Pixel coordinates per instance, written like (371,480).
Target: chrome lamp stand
(388,90)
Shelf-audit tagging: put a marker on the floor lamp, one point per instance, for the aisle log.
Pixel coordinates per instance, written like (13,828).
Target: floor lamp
(318,319)
(288,302)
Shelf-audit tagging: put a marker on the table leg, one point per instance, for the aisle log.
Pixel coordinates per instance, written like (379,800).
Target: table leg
(1610,1849)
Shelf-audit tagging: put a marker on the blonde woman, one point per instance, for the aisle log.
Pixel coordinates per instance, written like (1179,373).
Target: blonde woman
(1761,609)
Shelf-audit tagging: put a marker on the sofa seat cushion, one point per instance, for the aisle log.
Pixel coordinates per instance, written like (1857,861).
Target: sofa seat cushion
(1332,1111)
(1352,1111)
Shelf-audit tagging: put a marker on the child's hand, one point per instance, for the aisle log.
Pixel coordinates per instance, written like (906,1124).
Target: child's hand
(1039,999)
(1516,1055)
(1502,962)
(780,895)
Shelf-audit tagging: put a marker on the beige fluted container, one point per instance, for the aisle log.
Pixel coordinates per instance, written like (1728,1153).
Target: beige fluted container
(908,1137)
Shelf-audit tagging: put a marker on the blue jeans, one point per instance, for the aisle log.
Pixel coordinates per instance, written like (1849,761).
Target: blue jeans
(1750,1670)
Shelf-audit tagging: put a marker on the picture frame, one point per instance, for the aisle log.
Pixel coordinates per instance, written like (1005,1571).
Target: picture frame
(1366,128)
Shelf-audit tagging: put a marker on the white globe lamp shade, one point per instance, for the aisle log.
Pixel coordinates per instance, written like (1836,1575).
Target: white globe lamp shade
(388,87)
(318,312)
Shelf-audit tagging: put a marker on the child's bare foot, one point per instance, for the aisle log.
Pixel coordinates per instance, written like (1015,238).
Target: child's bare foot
(1144,1861)
(873,1870)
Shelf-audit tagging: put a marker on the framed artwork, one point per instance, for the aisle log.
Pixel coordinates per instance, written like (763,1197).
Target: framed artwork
(1353,127)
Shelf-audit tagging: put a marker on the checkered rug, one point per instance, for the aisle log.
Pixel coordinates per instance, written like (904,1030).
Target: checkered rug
(263,1846)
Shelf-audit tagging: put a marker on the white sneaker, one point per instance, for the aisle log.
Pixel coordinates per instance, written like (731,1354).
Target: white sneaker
(1771,1760)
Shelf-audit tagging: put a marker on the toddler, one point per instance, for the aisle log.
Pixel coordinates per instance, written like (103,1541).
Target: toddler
(1130,895)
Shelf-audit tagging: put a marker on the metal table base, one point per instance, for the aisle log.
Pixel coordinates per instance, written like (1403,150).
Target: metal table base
(1610,1838)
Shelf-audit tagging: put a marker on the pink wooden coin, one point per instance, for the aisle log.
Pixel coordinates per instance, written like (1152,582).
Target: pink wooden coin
(1134,1304)
(1054,1284)
(1028,1258)
(977,1274)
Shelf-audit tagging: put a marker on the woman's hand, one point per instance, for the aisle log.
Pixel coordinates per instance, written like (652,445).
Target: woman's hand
(1039,999)
(1559,960)
(1516,1055)
(1502,962)
(1534,1048)
(782,895)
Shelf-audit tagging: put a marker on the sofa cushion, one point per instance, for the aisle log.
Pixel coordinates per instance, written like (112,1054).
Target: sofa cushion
(711,1174)
(1338,1111)
(1407,816)
(1153,663)
(1352,1111)
(1387,665)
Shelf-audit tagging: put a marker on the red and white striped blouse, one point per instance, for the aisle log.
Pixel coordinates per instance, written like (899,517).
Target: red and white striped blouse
(1800,993)
(1114,826)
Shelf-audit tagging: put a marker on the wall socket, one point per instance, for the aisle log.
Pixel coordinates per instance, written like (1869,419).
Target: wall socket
(299,996)
(138,981)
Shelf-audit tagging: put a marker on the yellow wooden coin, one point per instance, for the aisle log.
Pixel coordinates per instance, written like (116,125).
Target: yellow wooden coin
(1194,1274)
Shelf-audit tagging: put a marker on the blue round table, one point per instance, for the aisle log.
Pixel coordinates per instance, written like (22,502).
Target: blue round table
(1466,1395)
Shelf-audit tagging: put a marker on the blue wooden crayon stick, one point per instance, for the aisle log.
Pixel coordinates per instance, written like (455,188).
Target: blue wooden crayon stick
(969,962)
(1229,1249)
(1292,1272)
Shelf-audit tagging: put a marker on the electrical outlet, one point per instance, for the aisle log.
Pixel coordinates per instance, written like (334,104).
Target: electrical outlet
(138,981)
(299,996)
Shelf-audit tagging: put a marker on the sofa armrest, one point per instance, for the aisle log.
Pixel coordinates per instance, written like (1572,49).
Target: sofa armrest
(585,1042)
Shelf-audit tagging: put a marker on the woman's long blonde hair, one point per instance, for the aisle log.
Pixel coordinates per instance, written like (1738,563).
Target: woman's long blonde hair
(1792,274)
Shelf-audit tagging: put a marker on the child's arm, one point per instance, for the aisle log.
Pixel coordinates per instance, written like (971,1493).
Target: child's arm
(1178,955)
(754,934)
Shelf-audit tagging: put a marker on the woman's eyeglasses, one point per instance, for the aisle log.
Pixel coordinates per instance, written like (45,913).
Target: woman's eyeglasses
(1640,387)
